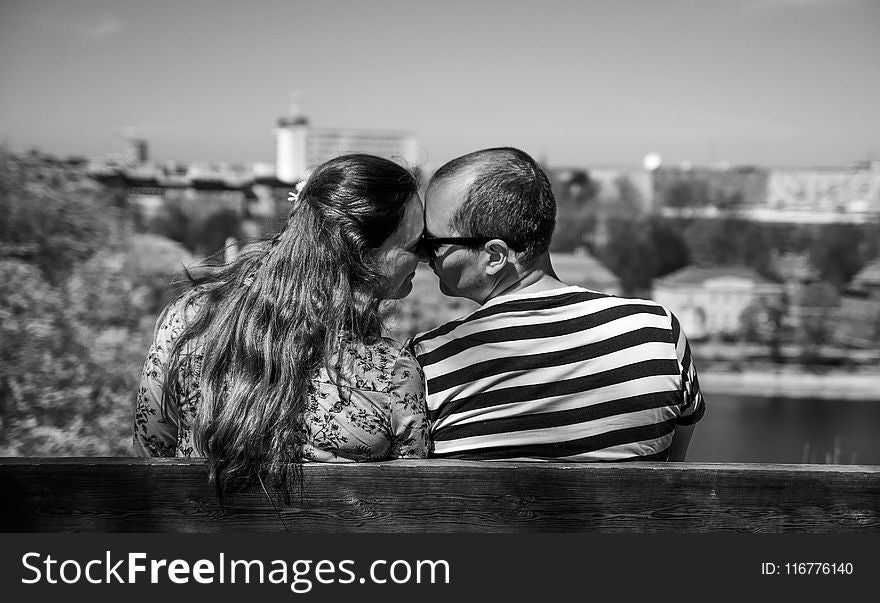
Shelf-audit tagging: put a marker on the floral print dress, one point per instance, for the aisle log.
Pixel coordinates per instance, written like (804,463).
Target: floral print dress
(368,406)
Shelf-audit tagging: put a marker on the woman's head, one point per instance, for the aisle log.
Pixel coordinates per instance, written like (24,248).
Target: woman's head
(272,317)
(366,210)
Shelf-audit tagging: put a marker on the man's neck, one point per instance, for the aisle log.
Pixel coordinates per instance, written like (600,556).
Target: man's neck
(539,278)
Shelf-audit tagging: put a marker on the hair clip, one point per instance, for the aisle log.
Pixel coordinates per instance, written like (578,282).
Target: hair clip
(293,195)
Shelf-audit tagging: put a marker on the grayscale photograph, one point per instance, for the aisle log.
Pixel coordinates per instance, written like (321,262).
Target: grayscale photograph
(425,267)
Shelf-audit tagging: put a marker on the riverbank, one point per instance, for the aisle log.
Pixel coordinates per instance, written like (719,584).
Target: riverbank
(789,382)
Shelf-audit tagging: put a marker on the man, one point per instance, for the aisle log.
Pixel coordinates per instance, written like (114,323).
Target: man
(541,370)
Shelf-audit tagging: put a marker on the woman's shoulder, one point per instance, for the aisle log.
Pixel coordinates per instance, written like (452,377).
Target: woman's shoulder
(386,351)
(178,314)
(372,365)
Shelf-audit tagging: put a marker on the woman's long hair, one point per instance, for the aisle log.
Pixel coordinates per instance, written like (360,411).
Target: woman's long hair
(264,323)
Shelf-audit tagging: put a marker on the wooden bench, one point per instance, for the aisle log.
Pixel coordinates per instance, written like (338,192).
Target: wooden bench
(172,495)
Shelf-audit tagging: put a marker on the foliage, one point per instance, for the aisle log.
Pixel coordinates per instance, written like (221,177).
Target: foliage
(764,322)
(117,288)
(670,250)
(175,224)
(818,303)
(627,202)
(215,230)
(628,253)
(636,247)
(201,235)
(576,210)
(77,307)
(730,240)
(54,229)
(839,251)
(640,250)
(70,369)
(55,397)
(686,194)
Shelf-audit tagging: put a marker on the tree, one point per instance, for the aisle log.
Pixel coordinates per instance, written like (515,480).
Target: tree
(215,230)
(764,322)
(53,398)
(74,330)
(640,249)
(156,265)
(686,194)
(840,251)
(175,224)
(629,254)
(628,202)
(119,288)
(818,302)
(575,210)
(670,251)
(573,229)
(66,385)
(52,228)
(731,240)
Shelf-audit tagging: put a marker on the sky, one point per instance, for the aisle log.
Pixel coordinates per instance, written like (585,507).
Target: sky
(575,83)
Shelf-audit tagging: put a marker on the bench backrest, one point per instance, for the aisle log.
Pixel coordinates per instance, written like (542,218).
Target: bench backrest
(172,495)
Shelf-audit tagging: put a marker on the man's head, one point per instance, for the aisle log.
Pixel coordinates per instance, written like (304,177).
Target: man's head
(498,209)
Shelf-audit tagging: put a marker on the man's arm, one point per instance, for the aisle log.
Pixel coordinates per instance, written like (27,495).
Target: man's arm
(694,406)
(680,442)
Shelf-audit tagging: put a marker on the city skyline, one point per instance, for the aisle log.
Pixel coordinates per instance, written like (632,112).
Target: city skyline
(767,82)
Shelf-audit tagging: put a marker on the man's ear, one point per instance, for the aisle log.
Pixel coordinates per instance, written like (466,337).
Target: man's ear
(498,253)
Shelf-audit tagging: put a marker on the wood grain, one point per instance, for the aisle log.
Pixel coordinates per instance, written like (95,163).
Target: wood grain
(172,495)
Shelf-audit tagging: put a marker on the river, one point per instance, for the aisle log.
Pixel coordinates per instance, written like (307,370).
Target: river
(753,429)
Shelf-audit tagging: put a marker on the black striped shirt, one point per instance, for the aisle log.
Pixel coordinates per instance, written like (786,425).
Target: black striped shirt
(567,374)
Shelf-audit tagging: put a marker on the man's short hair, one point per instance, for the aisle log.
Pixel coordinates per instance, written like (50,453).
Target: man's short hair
(510,198)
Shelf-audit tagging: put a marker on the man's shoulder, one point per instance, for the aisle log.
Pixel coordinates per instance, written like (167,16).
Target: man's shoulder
(443,329)
(525,307)
(564,298)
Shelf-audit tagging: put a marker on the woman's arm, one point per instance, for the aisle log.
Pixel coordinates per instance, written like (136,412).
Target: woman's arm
(409,411)
(155,432)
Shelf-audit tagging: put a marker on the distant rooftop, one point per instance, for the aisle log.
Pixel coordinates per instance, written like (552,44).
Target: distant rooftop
(695,275)
(869,276)
(272,181)
(292,121)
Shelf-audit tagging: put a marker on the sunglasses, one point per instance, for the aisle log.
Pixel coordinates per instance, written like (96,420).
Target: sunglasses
(430,244)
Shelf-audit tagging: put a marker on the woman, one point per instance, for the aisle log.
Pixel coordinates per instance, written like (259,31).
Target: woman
(277,358)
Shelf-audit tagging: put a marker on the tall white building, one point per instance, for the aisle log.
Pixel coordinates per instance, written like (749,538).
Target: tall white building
(291,153)
(300,147)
